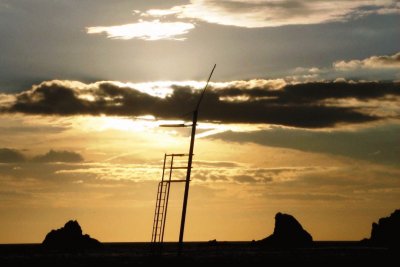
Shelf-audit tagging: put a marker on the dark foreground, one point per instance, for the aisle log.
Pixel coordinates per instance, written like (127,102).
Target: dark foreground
(200,253)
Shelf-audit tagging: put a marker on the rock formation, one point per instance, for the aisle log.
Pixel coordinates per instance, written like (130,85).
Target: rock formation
(387,231)
(288,233)
(69,237)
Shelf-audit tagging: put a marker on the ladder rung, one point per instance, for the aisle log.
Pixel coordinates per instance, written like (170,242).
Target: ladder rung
(163,194)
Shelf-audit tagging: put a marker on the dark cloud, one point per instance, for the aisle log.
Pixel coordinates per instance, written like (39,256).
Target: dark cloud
(311,92)
(379,144)
(11,156)
(299,105)
(59,156)
(8,155)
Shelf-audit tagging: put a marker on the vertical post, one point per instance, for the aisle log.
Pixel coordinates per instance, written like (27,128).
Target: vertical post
(189,169)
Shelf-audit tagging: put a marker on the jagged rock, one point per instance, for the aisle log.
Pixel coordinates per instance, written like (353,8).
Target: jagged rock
(288,232)
(69,237)
(387,231)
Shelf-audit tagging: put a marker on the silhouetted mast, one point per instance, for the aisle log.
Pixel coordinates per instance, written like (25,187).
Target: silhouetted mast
(189,168)
(160,213)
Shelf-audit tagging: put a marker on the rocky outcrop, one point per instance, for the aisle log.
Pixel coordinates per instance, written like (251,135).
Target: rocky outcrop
(387,231)
(70,237)
(288,233)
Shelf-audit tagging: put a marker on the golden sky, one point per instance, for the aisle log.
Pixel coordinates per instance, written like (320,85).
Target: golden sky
(302,116)
(236,190)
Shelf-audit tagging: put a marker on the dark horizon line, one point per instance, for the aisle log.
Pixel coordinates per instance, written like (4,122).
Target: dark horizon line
(176,242)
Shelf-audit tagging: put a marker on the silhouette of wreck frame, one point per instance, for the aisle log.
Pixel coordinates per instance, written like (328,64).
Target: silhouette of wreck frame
(164,185)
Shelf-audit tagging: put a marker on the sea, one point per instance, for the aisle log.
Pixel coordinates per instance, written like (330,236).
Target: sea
(212,253)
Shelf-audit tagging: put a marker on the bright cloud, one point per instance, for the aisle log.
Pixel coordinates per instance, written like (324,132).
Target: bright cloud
(145,30)
(6,100)
(272,13)
(374,62)
(375,67)
(241,13)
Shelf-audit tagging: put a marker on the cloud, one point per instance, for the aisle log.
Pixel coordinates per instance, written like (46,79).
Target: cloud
(250,175)
(11,155)
(244,179)
(6,99)
(107,171)
(308,197)
(267,13)
(240,13)
(379,144)
(374,62)
(222,164)
(376,67)
(59,156)
(8,155)
(145,30)
(307,105)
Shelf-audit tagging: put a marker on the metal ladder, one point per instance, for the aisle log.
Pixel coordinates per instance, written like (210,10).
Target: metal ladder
(160,213)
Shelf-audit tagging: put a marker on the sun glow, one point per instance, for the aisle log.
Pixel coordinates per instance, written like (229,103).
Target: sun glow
(149,123)
(126,124)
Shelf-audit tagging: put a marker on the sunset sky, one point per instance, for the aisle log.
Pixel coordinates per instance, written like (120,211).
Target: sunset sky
(302,116)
